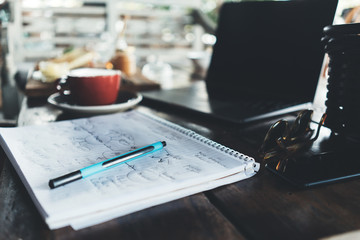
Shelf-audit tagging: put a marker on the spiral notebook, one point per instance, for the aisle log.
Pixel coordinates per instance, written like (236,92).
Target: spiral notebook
(190,163)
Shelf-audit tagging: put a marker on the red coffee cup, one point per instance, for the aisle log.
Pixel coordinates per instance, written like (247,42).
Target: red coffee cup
(91,86)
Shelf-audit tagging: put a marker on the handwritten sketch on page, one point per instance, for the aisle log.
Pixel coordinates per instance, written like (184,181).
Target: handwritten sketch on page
(40,153)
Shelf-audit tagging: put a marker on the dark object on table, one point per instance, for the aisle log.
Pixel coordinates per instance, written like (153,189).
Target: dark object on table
(333,156)
(266,61)
(327,160)
(306,159)
(342,44)
(269,49)
(283,141)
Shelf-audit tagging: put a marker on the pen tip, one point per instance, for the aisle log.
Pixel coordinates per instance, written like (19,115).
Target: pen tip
(163,143)
(51,184)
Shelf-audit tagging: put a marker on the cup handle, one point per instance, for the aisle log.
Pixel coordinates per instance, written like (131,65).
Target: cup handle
(63,87)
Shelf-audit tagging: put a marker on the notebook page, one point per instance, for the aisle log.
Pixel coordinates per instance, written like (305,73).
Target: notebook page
(108,214)
(47,151)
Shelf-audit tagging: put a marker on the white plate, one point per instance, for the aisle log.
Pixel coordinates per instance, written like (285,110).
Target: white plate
(125,101)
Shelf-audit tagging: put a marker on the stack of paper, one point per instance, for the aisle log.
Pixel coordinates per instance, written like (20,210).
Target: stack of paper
(188,164)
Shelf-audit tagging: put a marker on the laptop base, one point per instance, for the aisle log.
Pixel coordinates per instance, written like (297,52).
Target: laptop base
(195,98)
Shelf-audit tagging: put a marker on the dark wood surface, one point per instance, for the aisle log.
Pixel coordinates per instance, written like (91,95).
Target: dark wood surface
(262,207)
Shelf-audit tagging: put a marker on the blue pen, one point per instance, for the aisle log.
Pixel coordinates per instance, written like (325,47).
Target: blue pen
(104,165)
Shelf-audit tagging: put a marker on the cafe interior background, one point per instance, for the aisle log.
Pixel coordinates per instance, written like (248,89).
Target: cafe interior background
(166,41)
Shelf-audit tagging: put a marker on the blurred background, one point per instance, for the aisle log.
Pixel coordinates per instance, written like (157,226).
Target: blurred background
(167,41)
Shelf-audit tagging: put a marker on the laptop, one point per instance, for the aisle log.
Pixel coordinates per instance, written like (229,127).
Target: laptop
(266,61)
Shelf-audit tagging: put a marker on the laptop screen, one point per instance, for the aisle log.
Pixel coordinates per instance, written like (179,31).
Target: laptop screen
(269,49)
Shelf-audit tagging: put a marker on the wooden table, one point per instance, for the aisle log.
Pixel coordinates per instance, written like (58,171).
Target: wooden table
(262,207)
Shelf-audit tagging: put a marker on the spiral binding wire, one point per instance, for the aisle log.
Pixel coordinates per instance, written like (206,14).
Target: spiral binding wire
(342,44)
(201,138)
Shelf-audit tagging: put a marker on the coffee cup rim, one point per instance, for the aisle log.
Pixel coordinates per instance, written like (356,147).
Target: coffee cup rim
(96,72)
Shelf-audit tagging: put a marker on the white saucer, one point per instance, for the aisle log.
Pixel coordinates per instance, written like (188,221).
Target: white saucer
(125,101)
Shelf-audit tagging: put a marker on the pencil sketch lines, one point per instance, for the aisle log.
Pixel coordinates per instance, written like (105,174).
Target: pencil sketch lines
(167,134)
(204,157)
(81,124)
(192,168)
(165,157)
(155,168)
(85,143)
(146,175)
